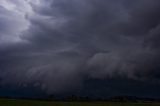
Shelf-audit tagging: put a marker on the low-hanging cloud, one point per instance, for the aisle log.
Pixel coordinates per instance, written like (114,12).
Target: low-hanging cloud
(56,44)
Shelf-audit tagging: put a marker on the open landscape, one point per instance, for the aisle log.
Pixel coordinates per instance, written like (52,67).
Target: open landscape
(79,52)
(14,102)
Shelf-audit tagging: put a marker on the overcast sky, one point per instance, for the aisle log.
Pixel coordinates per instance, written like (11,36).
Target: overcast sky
(64,46)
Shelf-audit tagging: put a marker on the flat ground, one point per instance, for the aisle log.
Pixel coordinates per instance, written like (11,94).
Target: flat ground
(12,102)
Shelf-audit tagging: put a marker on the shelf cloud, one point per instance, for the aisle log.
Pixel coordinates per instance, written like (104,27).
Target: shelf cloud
(57,44)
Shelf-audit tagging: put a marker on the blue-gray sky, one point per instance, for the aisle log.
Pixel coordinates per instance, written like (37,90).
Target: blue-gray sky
(63,46)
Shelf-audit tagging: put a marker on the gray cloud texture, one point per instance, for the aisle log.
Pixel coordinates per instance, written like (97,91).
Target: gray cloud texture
(56,44)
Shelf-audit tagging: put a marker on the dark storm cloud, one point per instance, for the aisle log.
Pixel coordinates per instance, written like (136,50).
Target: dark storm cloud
(69,40)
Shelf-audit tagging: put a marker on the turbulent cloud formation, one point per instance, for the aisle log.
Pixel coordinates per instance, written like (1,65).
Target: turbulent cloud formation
(57,44)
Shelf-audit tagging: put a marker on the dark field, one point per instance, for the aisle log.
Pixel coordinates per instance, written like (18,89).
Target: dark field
(12,102)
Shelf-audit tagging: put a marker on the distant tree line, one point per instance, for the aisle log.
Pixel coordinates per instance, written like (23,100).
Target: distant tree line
(74,98)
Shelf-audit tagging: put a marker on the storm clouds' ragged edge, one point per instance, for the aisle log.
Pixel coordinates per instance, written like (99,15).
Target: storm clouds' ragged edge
(57,44)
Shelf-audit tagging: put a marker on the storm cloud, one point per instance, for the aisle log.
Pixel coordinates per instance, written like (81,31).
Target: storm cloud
(57,44)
